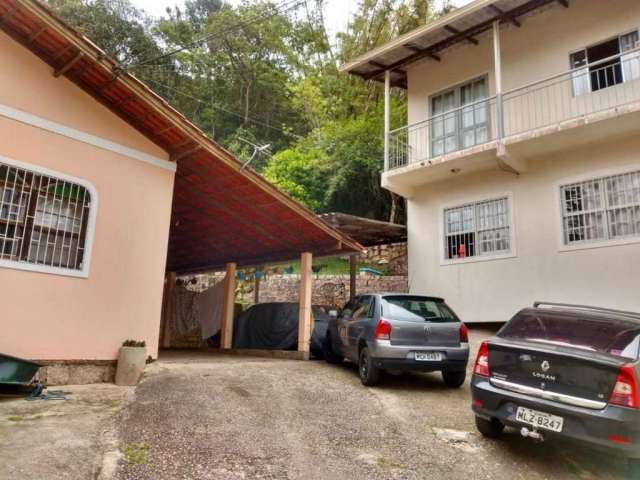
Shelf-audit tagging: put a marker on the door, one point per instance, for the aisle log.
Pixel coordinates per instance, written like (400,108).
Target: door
(474,118)
(342,323)
(460,119)
(444,126)
(358,322)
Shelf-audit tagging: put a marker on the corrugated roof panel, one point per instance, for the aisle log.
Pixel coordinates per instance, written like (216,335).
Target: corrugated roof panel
(470,21)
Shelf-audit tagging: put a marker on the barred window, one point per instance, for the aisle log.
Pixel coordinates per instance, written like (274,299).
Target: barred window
(478,229)
(601,209)
(43,220)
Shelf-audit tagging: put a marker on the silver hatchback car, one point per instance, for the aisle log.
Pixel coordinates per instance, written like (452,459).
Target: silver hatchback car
(396,332)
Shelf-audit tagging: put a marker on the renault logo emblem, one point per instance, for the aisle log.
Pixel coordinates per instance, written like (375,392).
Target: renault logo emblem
(545,366)
(427,331)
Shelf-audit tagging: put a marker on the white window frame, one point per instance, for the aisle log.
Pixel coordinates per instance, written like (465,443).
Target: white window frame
(588,245)
(456,89)
(91,224)
(581,76)
(512,253)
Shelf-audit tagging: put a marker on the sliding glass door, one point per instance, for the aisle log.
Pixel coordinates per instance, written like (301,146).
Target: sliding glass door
(460,119)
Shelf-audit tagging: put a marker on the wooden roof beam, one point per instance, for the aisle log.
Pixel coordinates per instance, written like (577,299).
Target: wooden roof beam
(417,49)
(453,39)
(505,16)
(9,13)
(458,33)
(34,36)
(68,66)
(383,67)
(186,153)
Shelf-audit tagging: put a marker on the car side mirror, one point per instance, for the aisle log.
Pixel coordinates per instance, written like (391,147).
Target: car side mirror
(333,313)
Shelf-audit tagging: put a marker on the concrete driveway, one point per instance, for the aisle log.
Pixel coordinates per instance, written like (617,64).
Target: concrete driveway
(229,417)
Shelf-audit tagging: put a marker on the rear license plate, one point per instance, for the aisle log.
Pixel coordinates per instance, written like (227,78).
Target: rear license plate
(428,356)
(539,419)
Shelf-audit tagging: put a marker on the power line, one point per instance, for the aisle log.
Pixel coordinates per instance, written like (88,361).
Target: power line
(222,109)
(278,10)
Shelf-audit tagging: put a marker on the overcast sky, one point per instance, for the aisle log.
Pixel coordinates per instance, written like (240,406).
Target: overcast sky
(337,12)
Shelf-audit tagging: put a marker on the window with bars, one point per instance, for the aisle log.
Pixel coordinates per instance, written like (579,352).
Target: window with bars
(606,208)
(594,72)
(478,229)
(43,219)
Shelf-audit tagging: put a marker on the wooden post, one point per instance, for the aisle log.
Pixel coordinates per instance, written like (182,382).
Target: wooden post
(169,286)
(256,288)
(304,321)
(226,330)
(353,264)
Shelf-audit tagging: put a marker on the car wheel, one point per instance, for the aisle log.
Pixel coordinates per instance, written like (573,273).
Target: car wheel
(369,373)
(454,379)
(633,468)
(329,355)
(489,428)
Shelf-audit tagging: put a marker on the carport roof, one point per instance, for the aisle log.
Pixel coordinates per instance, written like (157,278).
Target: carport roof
(366,231)
(221,212)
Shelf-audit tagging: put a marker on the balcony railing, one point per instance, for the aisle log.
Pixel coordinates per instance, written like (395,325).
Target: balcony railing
(604,85)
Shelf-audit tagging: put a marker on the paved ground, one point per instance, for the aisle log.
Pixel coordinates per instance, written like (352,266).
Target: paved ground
(61,439)
(226,417)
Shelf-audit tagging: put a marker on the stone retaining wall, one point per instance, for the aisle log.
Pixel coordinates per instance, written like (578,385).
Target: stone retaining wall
(332,290)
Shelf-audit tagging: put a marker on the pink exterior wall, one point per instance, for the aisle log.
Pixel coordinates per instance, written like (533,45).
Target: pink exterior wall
(50,316)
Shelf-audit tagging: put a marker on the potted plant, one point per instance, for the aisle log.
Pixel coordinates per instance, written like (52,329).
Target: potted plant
(131,361)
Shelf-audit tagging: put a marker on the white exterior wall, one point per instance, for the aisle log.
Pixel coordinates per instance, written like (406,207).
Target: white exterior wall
(539,49)
(540,269)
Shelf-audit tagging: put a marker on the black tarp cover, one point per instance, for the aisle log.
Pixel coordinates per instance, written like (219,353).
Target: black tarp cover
(274,326)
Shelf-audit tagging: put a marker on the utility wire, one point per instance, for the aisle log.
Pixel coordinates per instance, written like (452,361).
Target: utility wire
(222,109)
(278,10)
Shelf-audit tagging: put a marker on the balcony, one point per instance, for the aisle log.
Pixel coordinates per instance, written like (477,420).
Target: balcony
(521,117)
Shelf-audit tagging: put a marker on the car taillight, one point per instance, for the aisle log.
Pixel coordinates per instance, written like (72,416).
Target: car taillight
(383,330)
(625,391)
(482,361)
(464,333)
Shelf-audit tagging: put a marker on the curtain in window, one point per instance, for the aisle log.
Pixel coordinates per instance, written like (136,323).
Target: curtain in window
(444,127)
(630,61)
(580,76)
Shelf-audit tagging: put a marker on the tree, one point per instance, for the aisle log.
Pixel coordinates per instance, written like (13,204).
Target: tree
(115,25)
(257,73)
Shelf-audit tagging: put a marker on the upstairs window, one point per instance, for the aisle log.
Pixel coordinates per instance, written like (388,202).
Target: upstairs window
(478,229)
(460,119)
(601,209)
(606,64)
(43,221)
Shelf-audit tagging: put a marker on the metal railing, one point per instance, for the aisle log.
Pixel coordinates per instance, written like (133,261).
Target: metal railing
(458,129)
(597,87)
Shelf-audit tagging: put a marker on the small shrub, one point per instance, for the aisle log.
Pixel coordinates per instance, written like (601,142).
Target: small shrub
(134,343)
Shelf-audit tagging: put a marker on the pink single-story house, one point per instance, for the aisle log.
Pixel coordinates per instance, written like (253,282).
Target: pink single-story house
(105,189)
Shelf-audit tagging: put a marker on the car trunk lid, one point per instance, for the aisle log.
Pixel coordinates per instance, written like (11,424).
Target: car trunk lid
(560,374)
(425,333)
(421,321)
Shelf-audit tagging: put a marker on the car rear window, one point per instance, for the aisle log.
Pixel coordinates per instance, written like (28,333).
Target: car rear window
(403,307)
(615,337)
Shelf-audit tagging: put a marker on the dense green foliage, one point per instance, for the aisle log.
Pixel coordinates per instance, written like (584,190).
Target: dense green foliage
(266,73)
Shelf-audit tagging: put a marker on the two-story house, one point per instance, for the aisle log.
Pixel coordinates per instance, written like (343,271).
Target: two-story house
(520,161)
